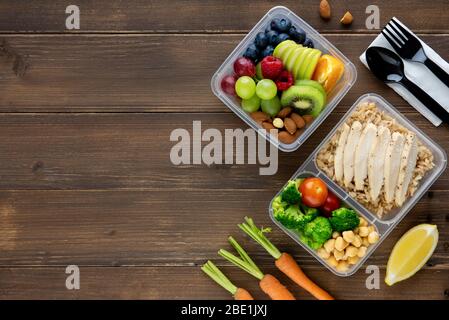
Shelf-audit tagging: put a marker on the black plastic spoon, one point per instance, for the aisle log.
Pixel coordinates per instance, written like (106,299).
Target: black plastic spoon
(388,67)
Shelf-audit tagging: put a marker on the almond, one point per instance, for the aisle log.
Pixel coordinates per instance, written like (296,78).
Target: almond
(267,125)
(299,121)
(307,118)
(325,9)
(285,112)
(290,125)
(260,116)
(347,18)
(288,138)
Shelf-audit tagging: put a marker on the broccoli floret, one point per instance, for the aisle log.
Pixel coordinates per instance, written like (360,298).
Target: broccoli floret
(309,242)
(291,193)
(278,203)
(318,231)
(290,217)
(344,219)
(313,212)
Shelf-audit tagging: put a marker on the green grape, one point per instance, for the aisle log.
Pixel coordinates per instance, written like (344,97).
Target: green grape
(272,106)
(245,87)
(266,89)
(259,75)
(252,104)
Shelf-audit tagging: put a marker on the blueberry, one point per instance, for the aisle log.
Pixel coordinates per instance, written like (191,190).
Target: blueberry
(261,40)
(268,29)
(283,37)
(273,37)
(268,51)
(308,43)
(252,52)
(297,34)
(281,25)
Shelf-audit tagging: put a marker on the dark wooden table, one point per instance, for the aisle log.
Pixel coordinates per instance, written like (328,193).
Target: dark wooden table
(85,174)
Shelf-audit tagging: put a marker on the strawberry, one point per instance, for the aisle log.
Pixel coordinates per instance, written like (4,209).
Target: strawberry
(284,81)
(271,67)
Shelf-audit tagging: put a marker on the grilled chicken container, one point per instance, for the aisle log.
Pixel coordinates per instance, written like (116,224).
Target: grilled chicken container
(400,165)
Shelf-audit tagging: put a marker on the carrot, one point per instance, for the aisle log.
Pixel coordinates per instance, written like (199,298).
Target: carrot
(272,287)
(290,268)
(269,284)
(212,271)
(284,261)
(242,294)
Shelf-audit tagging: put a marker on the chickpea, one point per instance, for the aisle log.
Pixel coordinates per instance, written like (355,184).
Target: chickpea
(353,260)
(339,255)
(357,242)
(362,252)
(365,242)
(348,236)
(329,245)
(363,231)
(332,261)
(340,244)
(371,229)
(335,234)
(356,230)
(363,222)
(323,253)
(342,266)
(351,251)
(373,237)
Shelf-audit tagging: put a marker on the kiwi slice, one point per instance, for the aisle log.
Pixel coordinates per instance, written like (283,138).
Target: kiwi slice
(305,99)
(299,61)
(290,62)
(278,51)
(312,64)
(311,83)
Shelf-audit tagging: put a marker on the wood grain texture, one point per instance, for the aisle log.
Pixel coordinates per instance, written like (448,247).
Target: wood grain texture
(123,151)
(137,228)
(145,73)
(209,16)
(85,173)
(190,283)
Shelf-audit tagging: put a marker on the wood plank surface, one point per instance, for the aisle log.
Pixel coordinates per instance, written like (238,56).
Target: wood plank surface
(123,151)
(190,283)
(85,170)
(145,73)
(181,16)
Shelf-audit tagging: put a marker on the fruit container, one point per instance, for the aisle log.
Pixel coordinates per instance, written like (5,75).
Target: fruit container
(320,42)
(383,225)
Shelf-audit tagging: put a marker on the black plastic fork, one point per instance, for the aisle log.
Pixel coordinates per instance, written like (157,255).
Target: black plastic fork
(410,48)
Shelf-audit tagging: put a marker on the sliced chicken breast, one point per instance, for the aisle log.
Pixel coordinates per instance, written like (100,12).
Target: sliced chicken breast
(349,152)
(338,160)
(376,162)
(367,139)
(392,164)
(408,163)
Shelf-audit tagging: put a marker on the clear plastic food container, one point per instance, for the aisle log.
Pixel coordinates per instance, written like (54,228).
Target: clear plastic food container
(321,43)
(385,225)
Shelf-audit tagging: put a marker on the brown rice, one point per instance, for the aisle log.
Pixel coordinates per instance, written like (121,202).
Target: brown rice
(365,113)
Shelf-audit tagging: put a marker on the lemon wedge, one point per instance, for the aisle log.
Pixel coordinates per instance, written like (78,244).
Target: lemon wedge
(411,252)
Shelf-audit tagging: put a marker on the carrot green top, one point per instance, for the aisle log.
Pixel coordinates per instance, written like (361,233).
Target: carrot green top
(244,262)
(212,271)
(258,235)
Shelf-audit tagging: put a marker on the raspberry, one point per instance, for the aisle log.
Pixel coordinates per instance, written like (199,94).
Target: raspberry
(284,81)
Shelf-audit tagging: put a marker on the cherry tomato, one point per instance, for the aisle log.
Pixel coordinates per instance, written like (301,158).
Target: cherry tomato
(314,192)
(330,204)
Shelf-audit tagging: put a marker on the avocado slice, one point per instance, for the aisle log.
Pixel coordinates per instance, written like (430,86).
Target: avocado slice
(281,47)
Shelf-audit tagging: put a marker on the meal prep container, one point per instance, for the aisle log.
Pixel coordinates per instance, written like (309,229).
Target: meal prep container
(320,42)
(385,225)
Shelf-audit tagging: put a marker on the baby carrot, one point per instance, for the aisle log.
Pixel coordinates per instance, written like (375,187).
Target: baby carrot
(212,271)
(284,261)
(268,283)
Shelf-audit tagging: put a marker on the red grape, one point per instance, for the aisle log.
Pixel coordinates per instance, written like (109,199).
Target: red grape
(228,84)
(244,67)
